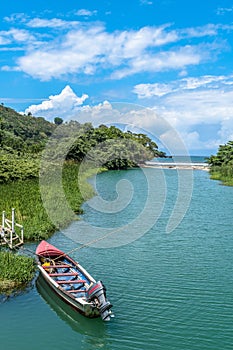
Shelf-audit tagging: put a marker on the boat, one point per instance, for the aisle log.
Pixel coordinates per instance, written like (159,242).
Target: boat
(72,283)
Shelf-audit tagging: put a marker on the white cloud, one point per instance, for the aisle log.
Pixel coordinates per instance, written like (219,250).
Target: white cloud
(89,48)
(86,13)
(50,23)
(16,36)
(165,60)
(197,32)
(190,83)
(185,117)
(149,90)
(224,10)
(3,39)
(146,2)
(63,105)
(16,17)
(194,106)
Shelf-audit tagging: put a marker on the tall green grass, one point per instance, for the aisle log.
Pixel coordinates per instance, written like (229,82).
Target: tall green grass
(25,197)
(222,173)
(16,271)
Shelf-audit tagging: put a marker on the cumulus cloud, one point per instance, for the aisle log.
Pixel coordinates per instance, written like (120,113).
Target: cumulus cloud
(69,106)
(201,109)
(63,105)
(199,118)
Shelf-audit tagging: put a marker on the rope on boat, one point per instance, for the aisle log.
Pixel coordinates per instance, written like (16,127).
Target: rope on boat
(77,248)
(88,243)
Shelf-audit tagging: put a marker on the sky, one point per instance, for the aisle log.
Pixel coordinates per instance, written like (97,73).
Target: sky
(84,59)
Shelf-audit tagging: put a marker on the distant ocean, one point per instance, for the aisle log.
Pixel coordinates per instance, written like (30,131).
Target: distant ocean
(182,159)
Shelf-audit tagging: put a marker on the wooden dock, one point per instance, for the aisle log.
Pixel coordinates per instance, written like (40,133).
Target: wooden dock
(11,233)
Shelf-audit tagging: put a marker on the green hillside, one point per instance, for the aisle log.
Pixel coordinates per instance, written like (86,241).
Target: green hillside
(23,137)
(21,140)
(22,133)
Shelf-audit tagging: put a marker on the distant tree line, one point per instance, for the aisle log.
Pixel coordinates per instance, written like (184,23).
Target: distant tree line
(24,137)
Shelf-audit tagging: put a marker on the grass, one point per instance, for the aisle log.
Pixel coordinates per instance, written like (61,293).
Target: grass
(16,271)
(223,174)
(63,204)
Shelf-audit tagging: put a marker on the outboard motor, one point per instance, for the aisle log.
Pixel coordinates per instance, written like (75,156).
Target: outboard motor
(97,293)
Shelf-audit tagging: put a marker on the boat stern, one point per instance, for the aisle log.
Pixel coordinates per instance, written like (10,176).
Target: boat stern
(97,294)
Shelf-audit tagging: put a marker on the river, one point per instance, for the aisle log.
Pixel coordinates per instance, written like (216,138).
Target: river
(170,291)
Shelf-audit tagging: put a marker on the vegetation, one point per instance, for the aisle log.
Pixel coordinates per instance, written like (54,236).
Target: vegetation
(16,271)
(30,147)
(25,197)
(23,139)
(21,133)
(221,164)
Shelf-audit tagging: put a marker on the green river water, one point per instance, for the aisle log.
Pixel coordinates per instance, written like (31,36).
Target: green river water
(168,290)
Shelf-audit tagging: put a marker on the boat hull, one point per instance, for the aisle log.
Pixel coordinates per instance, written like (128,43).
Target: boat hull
(85,309)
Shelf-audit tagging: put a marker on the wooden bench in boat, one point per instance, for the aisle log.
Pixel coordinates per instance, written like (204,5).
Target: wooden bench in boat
(72,281)
(57,266)
(76,291)
(63,274)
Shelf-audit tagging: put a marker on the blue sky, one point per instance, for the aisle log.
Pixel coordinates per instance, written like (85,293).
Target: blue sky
(174,56)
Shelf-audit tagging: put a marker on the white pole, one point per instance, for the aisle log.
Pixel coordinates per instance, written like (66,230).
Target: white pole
(12,227)
(13,220)
(22,234)
(3,220)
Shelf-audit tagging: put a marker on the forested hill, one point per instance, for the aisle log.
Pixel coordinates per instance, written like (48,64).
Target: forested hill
(23,133)
(23,138)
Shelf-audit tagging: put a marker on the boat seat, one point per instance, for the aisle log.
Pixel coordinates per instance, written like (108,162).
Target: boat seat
(71,281)
(63,274)
(57,266)
(76,291)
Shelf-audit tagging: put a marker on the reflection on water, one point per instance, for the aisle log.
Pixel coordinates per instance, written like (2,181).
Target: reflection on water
(79,323)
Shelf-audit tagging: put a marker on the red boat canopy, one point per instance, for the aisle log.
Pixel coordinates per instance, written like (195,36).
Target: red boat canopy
(46,249)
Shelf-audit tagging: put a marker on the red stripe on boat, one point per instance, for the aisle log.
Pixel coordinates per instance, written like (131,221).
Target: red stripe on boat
(94,288)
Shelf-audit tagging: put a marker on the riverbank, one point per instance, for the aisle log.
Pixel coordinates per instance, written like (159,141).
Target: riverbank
(226,180)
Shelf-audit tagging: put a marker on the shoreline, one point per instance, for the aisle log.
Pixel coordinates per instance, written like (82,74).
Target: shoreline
(178,166)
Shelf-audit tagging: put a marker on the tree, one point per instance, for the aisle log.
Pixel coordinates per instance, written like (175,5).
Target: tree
(58,120)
